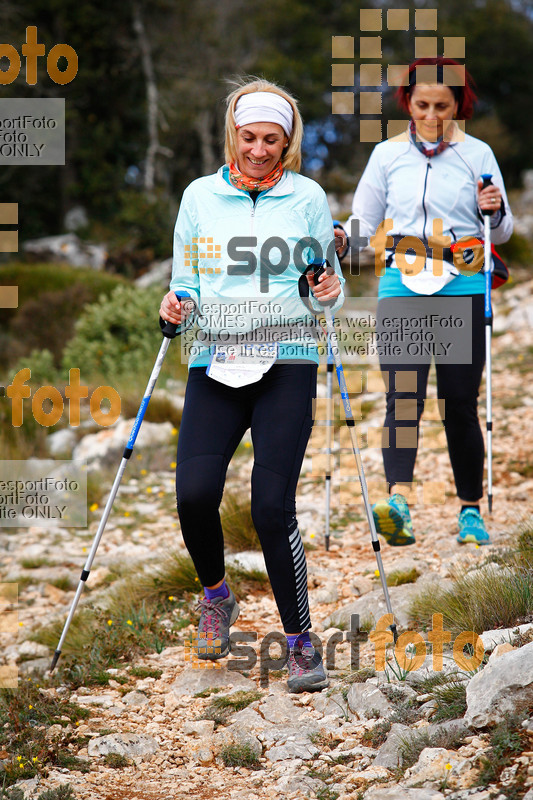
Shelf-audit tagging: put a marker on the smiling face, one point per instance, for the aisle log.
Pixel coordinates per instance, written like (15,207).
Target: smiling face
(259,148)
(430,105)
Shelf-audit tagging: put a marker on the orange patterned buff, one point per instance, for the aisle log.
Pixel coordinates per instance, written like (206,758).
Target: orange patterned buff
(247,184)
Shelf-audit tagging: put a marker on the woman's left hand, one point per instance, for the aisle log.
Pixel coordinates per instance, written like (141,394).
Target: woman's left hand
(490,198)
(327,288)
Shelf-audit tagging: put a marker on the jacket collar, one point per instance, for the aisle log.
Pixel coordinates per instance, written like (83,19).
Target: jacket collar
(284,186)
(456,137)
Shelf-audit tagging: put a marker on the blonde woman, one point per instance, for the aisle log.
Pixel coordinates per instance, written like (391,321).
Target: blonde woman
(268,223)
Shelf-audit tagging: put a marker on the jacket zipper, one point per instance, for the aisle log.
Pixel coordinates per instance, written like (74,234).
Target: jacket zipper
(252,218)
(428,167)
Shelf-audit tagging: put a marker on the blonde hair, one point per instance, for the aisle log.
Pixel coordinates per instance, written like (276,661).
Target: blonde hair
(292,155)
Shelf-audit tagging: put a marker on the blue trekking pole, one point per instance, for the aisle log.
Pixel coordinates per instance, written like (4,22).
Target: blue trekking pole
(487,181)
(169,331)
(329,423)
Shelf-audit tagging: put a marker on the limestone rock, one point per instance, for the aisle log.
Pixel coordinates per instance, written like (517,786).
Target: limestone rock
(191,680)
(68,249)
(372,605)
(202,727)
(104,446)
(401,793)
(104,700)
(61,442)
(298,748)
(130,745)
(501,688)
(492,639)
(280,709)
(500,649)
(434,765)
(158,274)
(135,699)
(247,559)
(366,700)
(334,705)
(389,753)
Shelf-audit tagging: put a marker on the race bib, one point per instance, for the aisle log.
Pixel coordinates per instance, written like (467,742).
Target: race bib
(426,282)
(240,364)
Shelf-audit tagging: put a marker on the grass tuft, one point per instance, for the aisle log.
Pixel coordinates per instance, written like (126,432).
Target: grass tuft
(63,792)
(116,760)
(240,755)
(26,714)
(221,708)
(143,672)
(479,600)
(411,747)
(398,577)
(451,700)
(239,530)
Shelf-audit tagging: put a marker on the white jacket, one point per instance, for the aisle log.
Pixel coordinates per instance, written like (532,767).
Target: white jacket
(402,184)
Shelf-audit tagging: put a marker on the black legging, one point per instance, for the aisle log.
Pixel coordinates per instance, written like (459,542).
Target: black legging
(458,386)
(278,409)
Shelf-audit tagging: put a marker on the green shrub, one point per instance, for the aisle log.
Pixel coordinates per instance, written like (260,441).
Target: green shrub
(34,280)
(42,369)
(26,441)
(47,321)
(63,792)
(119,335)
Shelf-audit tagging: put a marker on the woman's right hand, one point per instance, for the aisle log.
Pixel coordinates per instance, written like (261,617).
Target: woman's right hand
(172,310)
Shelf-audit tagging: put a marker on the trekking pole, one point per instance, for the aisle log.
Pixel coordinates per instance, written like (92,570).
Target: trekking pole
(487,181)
(169,331)
(350,424)
(329,423)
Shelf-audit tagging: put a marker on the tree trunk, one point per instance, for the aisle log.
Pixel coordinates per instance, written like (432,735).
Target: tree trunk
(204,128)
(152,98)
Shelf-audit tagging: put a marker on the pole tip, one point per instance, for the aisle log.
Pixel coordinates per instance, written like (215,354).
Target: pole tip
(55,659)
(394,632)
(490,504)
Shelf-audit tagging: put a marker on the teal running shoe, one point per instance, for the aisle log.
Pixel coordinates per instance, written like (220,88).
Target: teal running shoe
(393,520)
(472,528)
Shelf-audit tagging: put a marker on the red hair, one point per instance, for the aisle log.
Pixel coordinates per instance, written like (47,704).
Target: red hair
(465,95)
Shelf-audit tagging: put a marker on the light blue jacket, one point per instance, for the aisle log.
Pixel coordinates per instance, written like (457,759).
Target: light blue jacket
(221,269)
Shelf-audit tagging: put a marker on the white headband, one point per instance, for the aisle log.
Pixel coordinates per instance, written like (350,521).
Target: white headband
(264,107)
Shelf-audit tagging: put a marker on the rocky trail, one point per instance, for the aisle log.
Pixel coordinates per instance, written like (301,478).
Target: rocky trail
(329,744)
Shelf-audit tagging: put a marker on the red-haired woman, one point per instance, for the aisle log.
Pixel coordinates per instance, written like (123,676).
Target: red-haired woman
(426,183)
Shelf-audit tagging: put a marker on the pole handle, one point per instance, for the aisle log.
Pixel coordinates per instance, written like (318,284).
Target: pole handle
(318,268)
(487,181)
(170,329)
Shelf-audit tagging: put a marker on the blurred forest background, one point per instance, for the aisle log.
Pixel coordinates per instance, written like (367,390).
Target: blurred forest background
(144,117)
(145,112)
